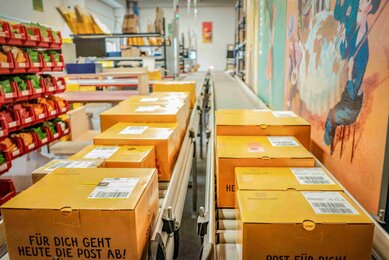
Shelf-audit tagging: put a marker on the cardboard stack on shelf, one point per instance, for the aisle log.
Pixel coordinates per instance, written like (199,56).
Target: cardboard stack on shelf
(111,185)
(264,169)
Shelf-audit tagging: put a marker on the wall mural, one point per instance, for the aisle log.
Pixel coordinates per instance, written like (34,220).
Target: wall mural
(336,76)
(271,54)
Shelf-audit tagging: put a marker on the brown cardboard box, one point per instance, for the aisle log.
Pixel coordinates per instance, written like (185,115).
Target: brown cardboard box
(166,101)
(131,52)
(124,156)
(254,151)
(130,23)
(263,122)
(97,213)
(177,86)
(284,178)
(302,225)
(147,113)
(70,163)
(165,138)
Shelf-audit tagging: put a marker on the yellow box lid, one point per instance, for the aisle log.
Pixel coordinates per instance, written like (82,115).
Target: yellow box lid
(130,153)
(90,189)
(292,206)
(68,163)
(143,110)
(260,147)
(258,118)
(138,131)
(283,178)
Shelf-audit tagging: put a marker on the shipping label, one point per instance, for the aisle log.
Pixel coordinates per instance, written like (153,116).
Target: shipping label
(149,99)
(133,130)
(329,203)
(147,108)
(283,114)
(312,176)
(114,188)
(282,141)
(102,152)
(70,164)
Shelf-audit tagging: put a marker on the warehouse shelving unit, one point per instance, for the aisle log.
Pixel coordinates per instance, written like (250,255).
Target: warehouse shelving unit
(240,39)
(21,90)
(122,37)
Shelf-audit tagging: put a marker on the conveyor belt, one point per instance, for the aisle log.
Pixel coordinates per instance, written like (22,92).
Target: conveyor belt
(219,239)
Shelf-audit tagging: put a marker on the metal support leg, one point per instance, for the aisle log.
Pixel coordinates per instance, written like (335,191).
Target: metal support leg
(194,175)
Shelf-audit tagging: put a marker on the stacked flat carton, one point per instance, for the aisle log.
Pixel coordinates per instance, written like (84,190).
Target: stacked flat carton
(286,207)
(101,202)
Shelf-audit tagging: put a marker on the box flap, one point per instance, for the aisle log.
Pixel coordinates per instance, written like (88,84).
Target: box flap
(157,131)
(131,153)
(283,178)
(258,118)
(72,189)
(293,207)
(260,147)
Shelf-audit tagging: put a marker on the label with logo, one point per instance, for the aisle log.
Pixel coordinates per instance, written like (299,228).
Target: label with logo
(114,188)
(329,203)
(133,130)
(102,152)
(282,141)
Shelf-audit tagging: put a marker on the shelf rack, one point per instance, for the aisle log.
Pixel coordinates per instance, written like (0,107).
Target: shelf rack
(15,117)
(240,39)
(131,35)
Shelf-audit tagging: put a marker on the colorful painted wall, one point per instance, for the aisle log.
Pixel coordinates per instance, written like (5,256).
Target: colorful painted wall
(337,77)
(271,54)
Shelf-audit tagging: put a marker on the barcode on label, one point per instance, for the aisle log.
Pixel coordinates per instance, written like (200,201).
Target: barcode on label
(283,114)
(114,188)
(147,109)
(331,208)
(112,194)
(102,152)
(311,176)
(329,203)
(148,99)
(133,130)
(313,180)
(282,141)
(70,164)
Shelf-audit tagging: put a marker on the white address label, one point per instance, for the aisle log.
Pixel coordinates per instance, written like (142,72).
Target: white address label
(146,109)
(114,188)
(284,114)
(133,130)
(282,141)
(329,203)
(102,152)
(311,176)
(70,164)
(149,100)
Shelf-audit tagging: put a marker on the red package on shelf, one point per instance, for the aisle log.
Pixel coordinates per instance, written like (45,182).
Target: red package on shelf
(4,32)
(63,128)
(26,114)
(61,84)
(46,139)
(3,127)
(29,141)
(49,83)
(45,40)
(36,92)
(61,104)
(39,112)
(6,66)
(35,66)
(48,63)
(51,107)
(12,119)
(7,190)
(8,97)
(56,41)
(33,36)
(23,94)
(58,65)
(17,34)
(12,146)
(4,167)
